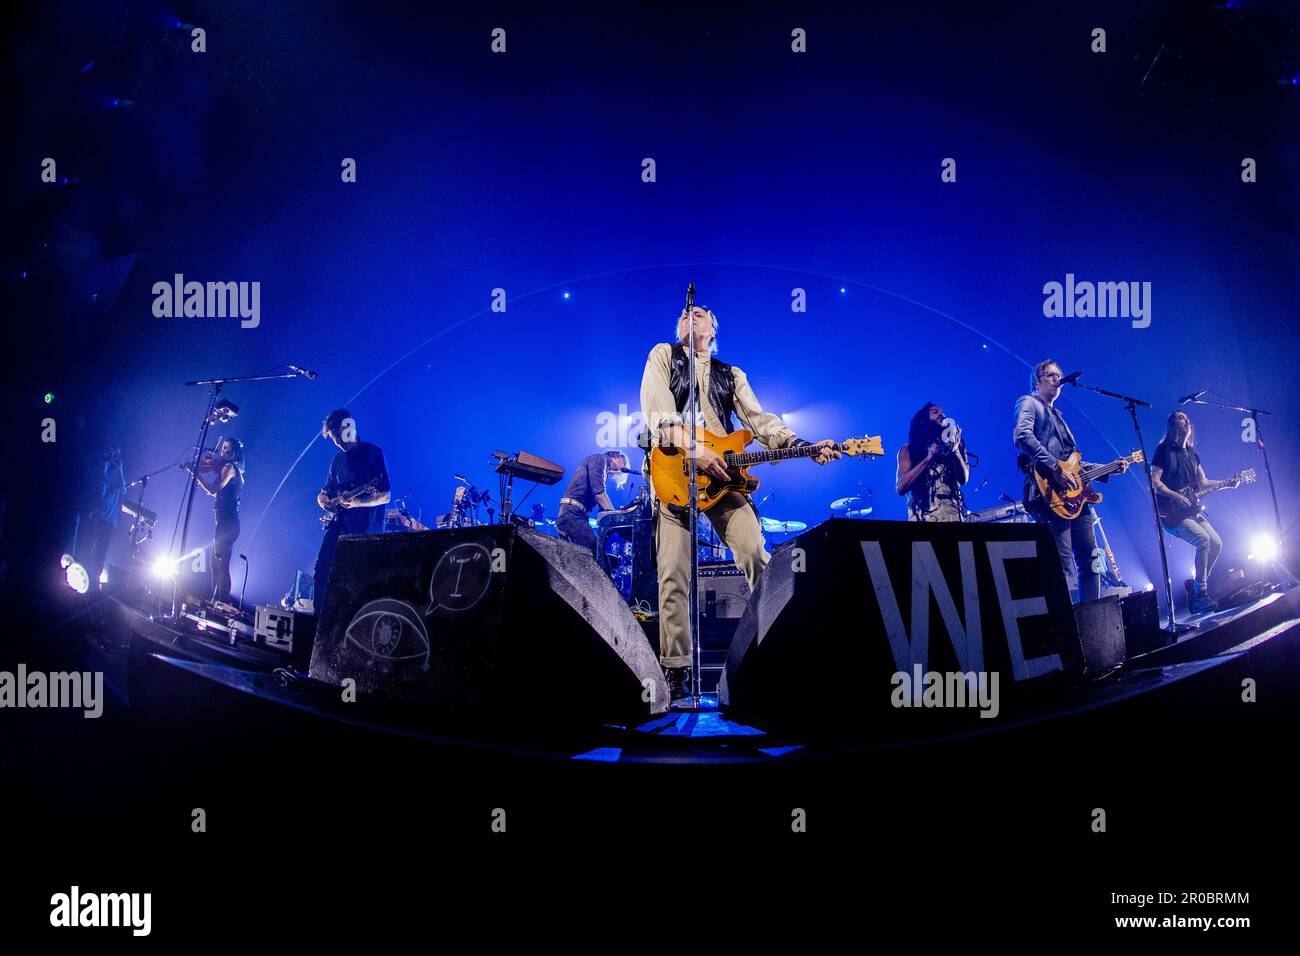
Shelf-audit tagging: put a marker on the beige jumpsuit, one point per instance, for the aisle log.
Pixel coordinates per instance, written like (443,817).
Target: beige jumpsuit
(735,521)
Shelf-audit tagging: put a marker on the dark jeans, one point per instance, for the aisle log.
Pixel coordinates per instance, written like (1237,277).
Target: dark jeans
(1075,544)
(572,525)
(102,532)
(223,548)
(324,560)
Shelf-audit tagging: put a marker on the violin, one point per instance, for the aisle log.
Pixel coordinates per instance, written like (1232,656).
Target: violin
(209,460)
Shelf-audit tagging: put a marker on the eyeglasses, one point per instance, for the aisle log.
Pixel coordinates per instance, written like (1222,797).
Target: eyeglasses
(1051,375)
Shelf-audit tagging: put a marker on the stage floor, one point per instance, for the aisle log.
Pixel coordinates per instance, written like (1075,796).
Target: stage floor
(215,678)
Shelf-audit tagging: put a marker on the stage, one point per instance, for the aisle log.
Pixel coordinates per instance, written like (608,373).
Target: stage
(154,664)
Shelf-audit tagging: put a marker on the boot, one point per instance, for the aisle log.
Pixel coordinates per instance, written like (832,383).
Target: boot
(679,682)
(1201,602)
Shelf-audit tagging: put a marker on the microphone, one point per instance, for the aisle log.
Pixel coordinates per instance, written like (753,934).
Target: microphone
(1072,378)
(305,373)
(1192,397)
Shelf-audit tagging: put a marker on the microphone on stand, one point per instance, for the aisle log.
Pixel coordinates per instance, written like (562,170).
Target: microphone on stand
(304,372)
(1072,378)
(1192,397)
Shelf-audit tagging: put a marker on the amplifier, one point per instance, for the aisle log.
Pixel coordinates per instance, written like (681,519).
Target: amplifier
(723,591)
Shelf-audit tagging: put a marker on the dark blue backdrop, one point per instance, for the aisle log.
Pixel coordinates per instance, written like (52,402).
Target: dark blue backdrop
(774,171)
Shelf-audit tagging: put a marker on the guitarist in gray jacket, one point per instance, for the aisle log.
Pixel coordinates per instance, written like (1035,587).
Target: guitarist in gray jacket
(1044,440)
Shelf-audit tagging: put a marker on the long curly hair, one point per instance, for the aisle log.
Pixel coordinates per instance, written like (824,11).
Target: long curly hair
(921,432)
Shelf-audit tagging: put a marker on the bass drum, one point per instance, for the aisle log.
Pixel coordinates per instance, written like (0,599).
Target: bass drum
(625,551)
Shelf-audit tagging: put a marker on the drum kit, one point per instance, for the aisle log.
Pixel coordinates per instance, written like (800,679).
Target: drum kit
(854,507)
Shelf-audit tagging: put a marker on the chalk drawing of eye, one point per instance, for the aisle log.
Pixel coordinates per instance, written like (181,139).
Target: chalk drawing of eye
(389,630)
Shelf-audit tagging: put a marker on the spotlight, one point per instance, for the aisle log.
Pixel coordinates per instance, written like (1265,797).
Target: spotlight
(103,576)
(223,412)
(49,398)
(164,567)
(1263,548)
(77,578)
(1150,586)
(66,561)
(566,296)
(843,291)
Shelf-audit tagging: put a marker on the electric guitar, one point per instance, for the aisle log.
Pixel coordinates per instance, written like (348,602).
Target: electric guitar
(332,513)
(670,467)
(1172,513)
(1069,504)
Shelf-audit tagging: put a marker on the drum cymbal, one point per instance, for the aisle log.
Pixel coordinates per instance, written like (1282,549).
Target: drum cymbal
(858,513)
(772,526)
(847,504)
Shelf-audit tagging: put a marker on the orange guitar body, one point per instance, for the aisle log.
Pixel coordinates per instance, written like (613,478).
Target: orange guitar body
(670,471)
(1068,504)
(670,467)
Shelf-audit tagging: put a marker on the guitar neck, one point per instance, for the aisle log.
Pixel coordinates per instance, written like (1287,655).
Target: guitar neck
(1215,486)
(1102,470)
(776,454)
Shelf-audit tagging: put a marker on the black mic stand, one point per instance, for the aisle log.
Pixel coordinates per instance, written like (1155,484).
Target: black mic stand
(1132,404)
(693,505)
(209,419)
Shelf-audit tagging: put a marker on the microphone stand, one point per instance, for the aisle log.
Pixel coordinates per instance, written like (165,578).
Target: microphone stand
(1132,404)
(187,505)
(693,506)
(143,482)
(1259,442)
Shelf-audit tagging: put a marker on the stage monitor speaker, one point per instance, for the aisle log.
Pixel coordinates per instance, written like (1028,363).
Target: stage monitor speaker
(1101,634)
(1142,632)
(485,623)
(849,609)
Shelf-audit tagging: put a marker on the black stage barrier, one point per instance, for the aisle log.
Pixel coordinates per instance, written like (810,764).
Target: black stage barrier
(484,622)
(847,605)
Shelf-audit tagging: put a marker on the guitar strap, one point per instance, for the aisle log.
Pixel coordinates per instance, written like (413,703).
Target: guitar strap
(1063,433)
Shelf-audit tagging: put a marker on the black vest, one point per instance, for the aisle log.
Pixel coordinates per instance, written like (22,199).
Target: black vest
(722,384)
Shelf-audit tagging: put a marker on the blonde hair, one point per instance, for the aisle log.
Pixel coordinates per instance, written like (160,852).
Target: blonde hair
(713,341)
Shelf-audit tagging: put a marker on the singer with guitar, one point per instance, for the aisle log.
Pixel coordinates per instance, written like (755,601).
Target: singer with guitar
(356,489)
(1057,482)
(724,394)
(1180,480)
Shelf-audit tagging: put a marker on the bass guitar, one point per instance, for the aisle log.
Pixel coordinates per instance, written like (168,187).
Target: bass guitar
(1070,504)
(1172,513)
(670,467)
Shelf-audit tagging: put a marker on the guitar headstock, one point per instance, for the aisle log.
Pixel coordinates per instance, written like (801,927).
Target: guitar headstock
(1247,476)
(1136,458)
(871,447)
